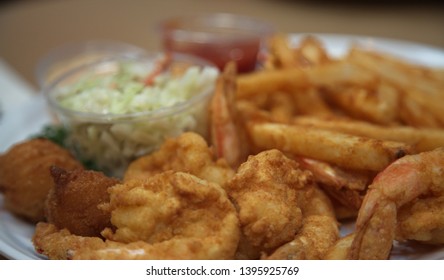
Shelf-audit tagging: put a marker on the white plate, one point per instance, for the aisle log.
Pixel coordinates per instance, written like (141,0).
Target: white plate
(17,123)
(15,234)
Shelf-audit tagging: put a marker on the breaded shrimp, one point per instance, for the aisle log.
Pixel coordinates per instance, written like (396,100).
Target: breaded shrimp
(189,153)
(172,215)
(422,220)
(264,191)
(319,232)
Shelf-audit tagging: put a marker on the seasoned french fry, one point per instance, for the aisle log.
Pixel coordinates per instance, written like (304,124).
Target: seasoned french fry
(283,55)
(311,52)
(250,112)
(281,106)
(308,53)
(400,74)
(344,150)
(422,139)
(416,114)
(340,73)
(269,81)
(378,105)
(432,114)
(436,74)
(289,80)
(311,102)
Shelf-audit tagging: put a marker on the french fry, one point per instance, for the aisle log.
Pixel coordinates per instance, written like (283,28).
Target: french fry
(340,73)
(342,149)
(311,52)
(290,80)
(422,89)
(432,114)
(270,81)
(421,139)
(436,74)
(283,55)
(378,105)
(399,73)
(416,114)
(311,102)
(282,106)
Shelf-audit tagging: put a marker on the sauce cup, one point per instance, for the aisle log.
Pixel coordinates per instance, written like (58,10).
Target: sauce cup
(219,38)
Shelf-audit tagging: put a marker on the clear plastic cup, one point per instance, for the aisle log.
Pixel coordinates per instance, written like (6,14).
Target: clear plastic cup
(219,38)
(112,136)
(69,56)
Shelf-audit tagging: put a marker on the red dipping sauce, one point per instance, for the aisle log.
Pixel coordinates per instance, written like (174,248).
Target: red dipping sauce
(219,38)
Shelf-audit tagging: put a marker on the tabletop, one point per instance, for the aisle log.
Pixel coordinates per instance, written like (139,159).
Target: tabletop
(30,29)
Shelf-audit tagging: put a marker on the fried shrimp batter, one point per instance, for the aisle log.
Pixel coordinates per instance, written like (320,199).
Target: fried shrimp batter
(59,244)
(319,232)
(264,191)
(172,215)
(25,179)
(187,153)
(73,201)
(341,249)
(422,220)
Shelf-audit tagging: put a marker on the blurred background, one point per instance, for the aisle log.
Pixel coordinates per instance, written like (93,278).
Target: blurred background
(31,28)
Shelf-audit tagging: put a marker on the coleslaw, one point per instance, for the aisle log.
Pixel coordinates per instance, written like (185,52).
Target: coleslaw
(114,116)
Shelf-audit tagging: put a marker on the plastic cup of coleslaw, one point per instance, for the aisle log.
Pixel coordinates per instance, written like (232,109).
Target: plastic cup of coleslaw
(120,108)
(219,37)
(71,55)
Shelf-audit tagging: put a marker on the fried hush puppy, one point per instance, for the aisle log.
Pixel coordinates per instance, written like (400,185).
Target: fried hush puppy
(73,201)
(171,215)
(25,179)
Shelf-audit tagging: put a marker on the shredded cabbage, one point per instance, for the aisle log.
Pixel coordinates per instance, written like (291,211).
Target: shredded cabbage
(112,145)
(125,91)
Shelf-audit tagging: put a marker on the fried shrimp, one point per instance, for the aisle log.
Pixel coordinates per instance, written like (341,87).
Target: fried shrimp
(264,190)
(25,179)
(410,179)
(228,135)
(187,153)
(422,220)
(319,232)
(60,244)
(172,215)
(312,242)
(345,186)
(341,248)
(73,201)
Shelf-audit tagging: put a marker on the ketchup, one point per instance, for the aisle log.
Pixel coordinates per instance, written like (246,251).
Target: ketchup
(243,52)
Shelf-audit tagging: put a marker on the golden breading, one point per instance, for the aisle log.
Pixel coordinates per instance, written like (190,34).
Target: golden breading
(172,215)
(73,201)
(25,179)
(187,153)
(265,192)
